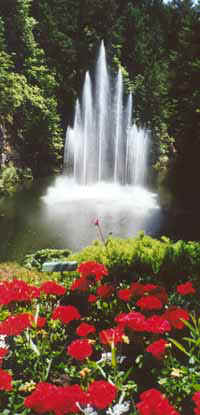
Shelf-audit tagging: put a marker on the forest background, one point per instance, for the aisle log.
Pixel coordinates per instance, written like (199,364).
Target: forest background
(46,46)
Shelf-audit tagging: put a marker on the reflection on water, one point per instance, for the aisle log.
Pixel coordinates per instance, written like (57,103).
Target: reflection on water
(72,209)
(62,215)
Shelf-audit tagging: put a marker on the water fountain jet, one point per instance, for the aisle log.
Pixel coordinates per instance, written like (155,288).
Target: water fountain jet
(105,161)
(104,143)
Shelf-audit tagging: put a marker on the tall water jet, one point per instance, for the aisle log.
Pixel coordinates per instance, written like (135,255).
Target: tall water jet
(118,114)
(102,88)
(128,123)
(104,143)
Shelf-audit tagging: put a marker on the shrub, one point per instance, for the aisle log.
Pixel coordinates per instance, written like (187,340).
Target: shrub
(37,259)
(164,259)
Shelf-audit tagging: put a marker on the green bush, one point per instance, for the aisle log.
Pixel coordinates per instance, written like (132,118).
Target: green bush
(36,259)
(168,261)
(12,178)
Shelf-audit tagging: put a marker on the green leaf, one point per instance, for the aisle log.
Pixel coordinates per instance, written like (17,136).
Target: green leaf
(196,386)
(179,346)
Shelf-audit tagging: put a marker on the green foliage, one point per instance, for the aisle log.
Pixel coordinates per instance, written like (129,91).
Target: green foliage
(12,178)
(36,259)
(182,380)
(144,255)
(192,340)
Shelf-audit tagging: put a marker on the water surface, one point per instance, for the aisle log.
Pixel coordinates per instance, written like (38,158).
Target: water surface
(60,214)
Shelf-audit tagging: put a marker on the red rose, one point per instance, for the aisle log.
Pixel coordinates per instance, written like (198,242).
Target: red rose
(125,294)
(17,290)
(80,349)
(5,380)
(160,293)
(105,290)
(84,329)
(157,348)
(22,291)
(89,268)
(14,325)
(147,288)
(66,314)
(134,320)
(137,289)
(41,321)
(51,287)
(196,399)
(110,336)
(43,399)
(102,393)
(80,284)
(185,289)
(153,402)
(174,316)
(3,352)
(92,298)
(157,324)
(149,302)
(47,398)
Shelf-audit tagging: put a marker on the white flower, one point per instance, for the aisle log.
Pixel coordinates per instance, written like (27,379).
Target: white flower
(108,357)
(119,408)
(88,410)
(2,341)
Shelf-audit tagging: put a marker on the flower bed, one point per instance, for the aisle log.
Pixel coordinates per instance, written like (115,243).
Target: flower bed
(101,346)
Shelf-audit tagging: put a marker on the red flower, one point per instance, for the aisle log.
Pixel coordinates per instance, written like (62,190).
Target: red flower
(154,402)
(135,321)
(157,348)
(125,294)
(147,288)
(14,325)
(137,289)
(43,398)
(119,318)
(102,393)
(17,290)
(89,268)
(110,336)
(174,316)
(84,329)
(3,352)
(51,287)
(157,324)
(80,284)
(160,293)
(185,289)
(22,291)
(196,399)
(105,290)
(80,349)
(66,314)
(149,302)
(47,398)
(41,321)
(5,380)
(92,298)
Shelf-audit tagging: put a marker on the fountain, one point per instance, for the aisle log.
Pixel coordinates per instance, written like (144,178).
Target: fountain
(104,144)
(105,167)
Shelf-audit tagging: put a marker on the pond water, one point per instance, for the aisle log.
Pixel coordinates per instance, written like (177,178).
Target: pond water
(60,214)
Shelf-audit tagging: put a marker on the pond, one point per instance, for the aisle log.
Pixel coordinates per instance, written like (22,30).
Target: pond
(57,213)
